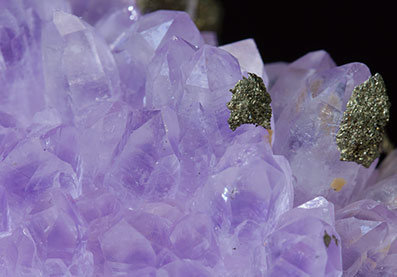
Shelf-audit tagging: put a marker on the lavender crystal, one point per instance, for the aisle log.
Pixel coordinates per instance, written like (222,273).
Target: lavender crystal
(116,156)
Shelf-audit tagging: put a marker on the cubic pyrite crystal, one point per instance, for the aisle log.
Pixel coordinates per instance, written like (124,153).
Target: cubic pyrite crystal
(117,158)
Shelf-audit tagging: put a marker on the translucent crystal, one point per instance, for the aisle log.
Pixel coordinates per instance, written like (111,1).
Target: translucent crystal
(305,242)
(369,239)
(308,100)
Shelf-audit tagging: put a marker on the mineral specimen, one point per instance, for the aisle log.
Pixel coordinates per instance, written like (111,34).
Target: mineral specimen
(116,156)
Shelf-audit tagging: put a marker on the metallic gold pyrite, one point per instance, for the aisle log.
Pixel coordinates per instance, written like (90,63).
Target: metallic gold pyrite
(250,103)
(363,124)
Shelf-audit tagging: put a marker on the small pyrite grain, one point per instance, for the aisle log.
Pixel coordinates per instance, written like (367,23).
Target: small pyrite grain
(363,124)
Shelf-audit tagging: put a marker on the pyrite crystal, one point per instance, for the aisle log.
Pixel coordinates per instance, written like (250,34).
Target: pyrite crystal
(363,124)
(250,103)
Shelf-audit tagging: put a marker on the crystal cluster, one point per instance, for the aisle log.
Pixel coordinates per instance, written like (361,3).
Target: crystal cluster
(117,158)
(310,97)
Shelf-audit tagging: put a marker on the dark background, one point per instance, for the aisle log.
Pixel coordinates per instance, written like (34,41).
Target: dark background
(363,31)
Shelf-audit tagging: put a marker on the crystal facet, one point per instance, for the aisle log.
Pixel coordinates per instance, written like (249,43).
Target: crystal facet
(369,238)
(305,242)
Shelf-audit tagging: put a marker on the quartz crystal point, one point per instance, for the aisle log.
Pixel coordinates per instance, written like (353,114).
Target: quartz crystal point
(249,58)
(309,97)
(87,71)
(305,242)
(369,238)
(124,163)
(148,34)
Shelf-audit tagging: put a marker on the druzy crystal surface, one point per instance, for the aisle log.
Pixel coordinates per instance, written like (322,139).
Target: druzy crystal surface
(117,158)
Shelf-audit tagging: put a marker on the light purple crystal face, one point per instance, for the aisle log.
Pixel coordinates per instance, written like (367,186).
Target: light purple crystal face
(249,58)
(116,158)
(309,98)
(148,34)
(4,213)
(93,11)
(382,185)
(369,238)
(80,69)
(305,242)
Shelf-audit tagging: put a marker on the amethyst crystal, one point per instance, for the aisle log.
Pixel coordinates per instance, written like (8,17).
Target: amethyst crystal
(116,156)
(310,97)
(382,186)
(369,237)
(305,242)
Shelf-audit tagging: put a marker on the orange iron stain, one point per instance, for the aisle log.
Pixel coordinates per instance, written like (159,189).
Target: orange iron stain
(338,183)
(269,137)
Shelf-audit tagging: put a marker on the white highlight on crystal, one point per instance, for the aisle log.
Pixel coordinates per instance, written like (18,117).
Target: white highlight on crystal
(225,194)
(315,203)
(155,34)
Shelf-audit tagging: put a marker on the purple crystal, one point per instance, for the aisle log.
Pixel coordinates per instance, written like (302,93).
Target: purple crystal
(116,157)
(305,242)
(21,78)
(93,11)
(99,180)
(87,72)
(4,213)
(382,185)
(210,38)
(249,57)
(369,238)
(148,34)
(309,98)
(384,191)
